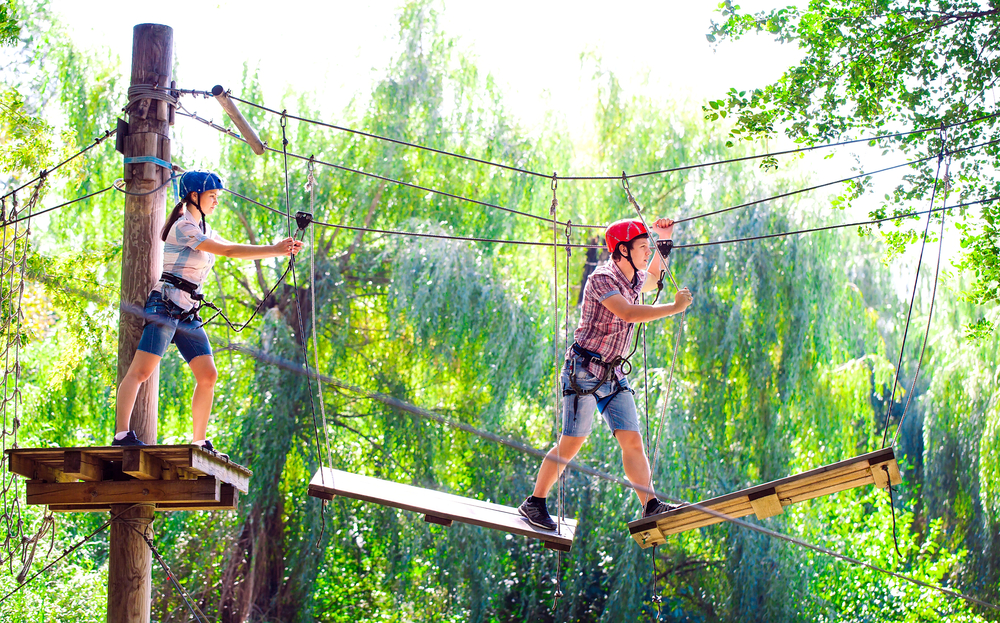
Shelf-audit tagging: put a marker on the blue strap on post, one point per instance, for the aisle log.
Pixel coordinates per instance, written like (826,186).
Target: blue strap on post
(159,162)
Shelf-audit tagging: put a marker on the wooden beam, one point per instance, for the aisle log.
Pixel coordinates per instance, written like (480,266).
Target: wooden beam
(83,466)
(124,492)
(142,465)
(32,470)
(441,521)
(229,498)
(246,130)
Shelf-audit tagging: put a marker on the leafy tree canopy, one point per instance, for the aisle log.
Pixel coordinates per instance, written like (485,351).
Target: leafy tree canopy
(879,67)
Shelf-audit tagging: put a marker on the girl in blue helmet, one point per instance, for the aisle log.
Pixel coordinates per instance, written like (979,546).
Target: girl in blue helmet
(189,249)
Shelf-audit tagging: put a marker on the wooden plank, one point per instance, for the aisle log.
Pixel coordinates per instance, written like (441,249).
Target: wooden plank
(330,482)
(769,499)
(124,492)
(142,465)
(24,466)
(83,466)
(223,469)
(765,504)
(228,500)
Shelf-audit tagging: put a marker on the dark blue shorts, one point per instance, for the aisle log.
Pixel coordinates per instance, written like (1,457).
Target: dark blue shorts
(162,328)
(614,399)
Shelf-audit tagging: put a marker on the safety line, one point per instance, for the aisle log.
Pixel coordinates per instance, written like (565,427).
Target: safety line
(611,177)
(839,226)
(597,246)
(825,184)
(65,553)
(45,172)
(909,312)
(196,612)
(512,443)
(301,337)
(61,205)
(930,312)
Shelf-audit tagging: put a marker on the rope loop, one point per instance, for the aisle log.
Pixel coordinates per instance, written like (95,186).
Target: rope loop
(555,201)
(569,232)
(555,181)
(625,185)
(284,118)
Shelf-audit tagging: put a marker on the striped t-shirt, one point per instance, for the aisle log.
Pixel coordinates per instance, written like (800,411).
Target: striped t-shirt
(182,258)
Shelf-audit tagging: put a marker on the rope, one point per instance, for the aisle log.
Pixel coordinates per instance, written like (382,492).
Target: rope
(610,177)
(195,610)
(556,367)
(624,177)
(824,185)
(97,141)
(810,230)
(909,313)
(138,92)
(311,183)
(930,312)
(522,447)
(381,177)
(13,263)
(65,553)
(301,337)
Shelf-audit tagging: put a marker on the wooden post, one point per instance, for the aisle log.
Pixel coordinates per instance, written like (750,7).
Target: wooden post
(129,577)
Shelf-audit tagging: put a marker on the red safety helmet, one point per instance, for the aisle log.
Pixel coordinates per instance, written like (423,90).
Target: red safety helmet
(624,230)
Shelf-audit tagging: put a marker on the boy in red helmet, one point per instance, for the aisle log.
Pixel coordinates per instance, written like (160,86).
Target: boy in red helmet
(592,377)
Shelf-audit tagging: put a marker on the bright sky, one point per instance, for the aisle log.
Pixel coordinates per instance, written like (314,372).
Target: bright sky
(337,50)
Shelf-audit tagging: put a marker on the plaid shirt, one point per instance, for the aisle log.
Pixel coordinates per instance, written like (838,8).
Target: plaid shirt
(181,257)
(600,330)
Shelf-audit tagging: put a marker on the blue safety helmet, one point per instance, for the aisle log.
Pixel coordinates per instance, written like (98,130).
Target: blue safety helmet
(199,182)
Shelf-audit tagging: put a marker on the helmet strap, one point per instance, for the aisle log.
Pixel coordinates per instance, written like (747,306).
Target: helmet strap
(635,271)
(197,204)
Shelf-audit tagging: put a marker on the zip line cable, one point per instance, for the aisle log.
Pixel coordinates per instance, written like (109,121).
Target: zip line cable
(624,177)
(97,141)
(609,177)
(383,178)
(825,184)
(522,447)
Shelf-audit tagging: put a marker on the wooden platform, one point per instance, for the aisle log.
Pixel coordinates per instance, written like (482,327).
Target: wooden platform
(171,477)
(766,500)
(437,507)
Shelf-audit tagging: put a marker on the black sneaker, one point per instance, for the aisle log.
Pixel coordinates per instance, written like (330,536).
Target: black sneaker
(658,509)
(208,446)
(536,514)
(128,440)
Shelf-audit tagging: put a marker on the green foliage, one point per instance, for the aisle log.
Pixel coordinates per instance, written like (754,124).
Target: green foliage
(783,367)
(874,68)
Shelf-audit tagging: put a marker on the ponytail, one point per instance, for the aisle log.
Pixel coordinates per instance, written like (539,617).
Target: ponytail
(172,218)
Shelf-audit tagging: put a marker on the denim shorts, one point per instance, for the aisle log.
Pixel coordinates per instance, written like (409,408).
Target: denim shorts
(162,328)
(578,411)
